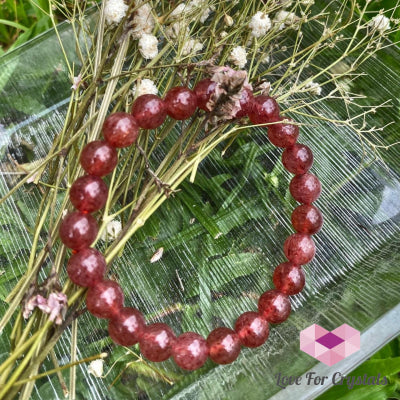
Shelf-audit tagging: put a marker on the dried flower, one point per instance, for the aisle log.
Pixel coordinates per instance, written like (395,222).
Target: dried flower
(112,230)
(285,18)
(114,11)
(238,56)
(148,46)
(259,24)
(228,20)
(177,29)
(157,255)
(191,46)
(314,88)
(56,305)
(143,21)
(379,23)
(96,368)
(144,86)
(76,81)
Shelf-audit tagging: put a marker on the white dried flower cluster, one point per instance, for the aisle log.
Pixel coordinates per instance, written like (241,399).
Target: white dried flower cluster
(177,29)
(112,230)
(191,46)
(379,23)
(114,11)
(284,18)
(259,24)
(143,21)
(95,368)
(144,86)
(314,88)
(191,7)
(238,56)
(148,46)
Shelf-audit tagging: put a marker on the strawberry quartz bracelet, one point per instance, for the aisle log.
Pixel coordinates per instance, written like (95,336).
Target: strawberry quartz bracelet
(89,193)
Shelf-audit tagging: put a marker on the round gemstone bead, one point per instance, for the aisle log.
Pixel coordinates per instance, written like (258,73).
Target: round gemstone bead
(307,219)
(289,278)
(120,129)
(149,111)
(127,327)
(203,91)
(156,342)
(78,230)
(299,248)
(283,134)
(246,100)
(99,158)
(274,306)
(190,351)
(305,188)
(224,345)
(88,193)
(297,159)
(86,267)
(105,299)
(180,103)
(252,329)
(264,109)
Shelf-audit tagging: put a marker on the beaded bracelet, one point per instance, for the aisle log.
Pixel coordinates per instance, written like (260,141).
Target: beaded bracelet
(89,193)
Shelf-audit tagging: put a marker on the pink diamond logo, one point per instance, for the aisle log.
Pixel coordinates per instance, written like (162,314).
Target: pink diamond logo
(329,347)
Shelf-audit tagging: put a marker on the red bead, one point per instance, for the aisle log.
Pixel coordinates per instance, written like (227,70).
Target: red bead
(252,329)
(224,345)
(203,91)
(99,158)
(87,267)
(282,134)
(120,129)
(149,111)
(246,100)
(78,230)
(274,306)
(264,109)
(299,248)
(305,188)
(180,103)
(156,342)
(88,193)
(297,159)
(307,219)
(105,299)
(289,278)
(127,327)
(190,351)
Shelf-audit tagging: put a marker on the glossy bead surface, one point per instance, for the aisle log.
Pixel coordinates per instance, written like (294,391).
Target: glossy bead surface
(252,329)
(105,299)
(307,219)
(78,230)
(203,91)
(86,267)
(127,328)
(264,109)
(297,159)
(224,345)
(282,134)
(88,193)
(274,306)
(156,342)
(120,129)
(190,351)
(305,188)
(99,158)
(149,111)
(299,248)
(289,278)
(246,100)
(180,103)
